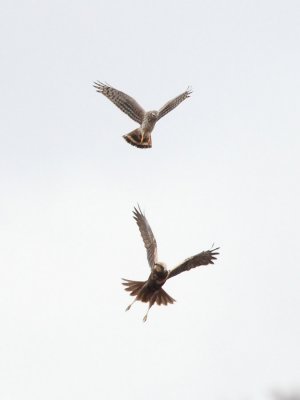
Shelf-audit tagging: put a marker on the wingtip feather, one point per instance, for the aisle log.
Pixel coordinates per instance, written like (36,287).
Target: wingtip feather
(189,91)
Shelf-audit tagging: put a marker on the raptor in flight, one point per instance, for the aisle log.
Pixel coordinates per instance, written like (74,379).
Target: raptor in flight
(140,137)
(150,291)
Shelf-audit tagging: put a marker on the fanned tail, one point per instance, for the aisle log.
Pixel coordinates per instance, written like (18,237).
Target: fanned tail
(135,139)
(145,294)
(164,298)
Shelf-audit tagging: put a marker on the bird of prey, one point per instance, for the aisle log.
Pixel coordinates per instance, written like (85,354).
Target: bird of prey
(140,137)
(150,291)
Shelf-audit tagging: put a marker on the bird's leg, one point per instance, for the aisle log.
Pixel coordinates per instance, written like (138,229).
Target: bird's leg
(146,316)
(128,308)
(151,302)
(142,137)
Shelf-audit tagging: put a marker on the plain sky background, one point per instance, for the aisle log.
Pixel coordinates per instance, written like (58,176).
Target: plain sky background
(224,169)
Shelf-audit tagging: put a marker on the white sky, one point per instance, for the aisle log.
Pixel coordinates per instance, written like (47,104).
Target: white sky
(224,168)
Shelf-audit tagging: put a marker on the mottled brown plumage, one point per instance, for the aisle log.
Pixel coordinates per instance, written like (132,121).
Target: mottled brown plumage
(140,137)
(150,291)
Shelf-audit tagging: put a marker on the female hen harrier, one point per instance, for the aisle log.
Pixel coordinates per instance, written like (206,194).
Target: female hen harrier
(151,290)
(140,137)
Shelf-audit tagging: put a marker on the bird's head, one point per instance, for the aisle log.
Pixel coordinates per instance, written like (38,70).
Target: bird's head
(152,115)
(160,267)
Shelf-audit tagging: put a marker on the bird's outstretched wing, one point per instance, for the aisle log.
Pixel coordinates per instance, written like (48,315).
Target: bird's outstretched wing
(147,235)
(171,104)
(203,258)
(124,102)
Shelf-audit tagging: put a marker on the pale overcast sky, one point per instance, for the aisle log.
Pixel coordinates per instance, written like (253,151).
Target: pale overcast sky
(224,169)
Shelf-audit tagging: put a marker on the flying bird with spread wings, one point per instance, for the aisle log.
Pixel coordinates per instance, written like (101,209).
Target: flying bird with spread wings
(140,137)
(150,291)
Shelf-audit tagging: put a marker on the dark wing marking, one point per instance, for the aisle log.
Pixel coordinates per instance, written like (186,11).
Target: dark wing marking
(171,104)
(124,102)
(147,235)
(203,258)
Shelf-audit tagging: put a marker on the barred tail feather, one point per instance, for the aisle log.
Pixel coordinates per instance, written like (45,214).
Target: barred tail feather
(145,294)
(135,139)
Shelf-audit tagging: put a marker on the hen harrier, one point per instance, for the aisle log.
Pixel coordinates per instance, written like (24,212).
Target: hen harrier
(151,290)
(140,137)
